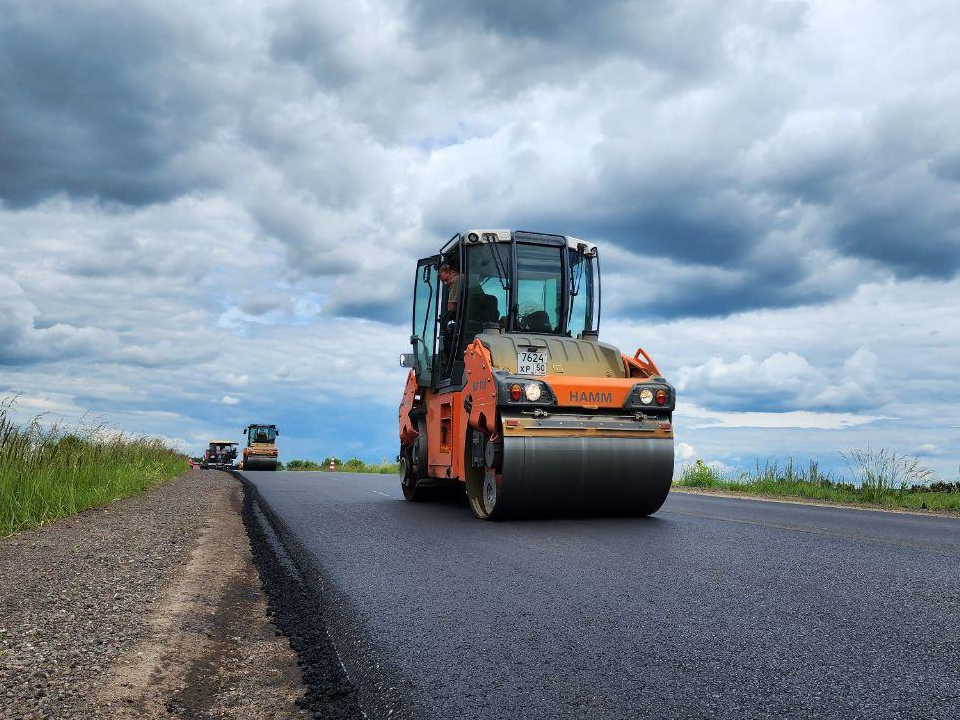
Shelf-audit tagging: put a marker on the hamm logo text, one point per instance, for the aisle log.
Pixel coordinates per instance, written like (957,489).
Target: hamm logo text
(594,398)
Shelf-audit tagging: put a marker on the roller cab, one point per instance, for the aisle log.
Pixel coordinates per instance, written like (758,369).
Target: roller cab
(260,452)
(512,395)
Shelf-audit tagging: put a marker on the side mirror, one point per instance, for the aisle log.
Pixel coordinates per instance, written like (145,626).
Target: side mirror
(408,360)
(276,432)
(244,431)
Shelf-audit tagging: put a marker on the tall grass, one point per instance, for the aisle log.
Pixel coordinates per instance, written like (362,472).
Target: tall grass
(50,472)
(875,477)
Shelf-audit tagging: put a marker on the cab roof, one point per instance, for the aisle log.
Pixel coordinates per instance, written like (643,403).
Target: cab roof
(223,442)
(484,235)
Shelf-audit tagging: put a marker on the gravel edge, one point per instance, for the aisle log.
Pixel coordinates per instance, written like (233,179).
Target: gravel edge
(298,610)
(88,601)
(339,662)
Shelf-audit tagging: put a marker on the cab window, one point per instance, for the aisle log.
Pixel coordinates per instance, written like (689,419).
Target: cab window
(539,288)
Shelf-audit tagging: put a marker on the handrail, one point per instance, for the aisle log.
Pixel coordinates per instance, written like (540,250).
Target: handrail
(647,363)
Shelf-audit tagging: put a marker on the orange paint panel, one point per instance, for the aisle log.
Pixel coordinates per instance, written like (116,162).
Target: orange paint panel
(481,389)
(446,423)
(408,433)
(596,392)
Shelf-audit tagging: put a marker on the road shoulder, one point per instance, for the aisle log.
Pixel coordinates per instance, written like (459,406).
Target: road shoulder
(797,500)
(150,607)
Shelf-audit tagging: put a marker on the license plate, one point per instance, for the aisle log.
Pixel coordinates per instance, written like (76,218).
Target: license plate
(531,363)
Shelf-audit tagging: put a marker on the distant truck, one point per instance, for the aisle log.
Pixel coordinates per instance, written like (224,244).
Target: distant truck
(220,455)
(261,450)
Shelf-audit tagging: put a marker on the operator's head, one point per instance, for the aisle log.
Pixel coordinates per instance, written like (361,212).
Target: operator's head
(447,273)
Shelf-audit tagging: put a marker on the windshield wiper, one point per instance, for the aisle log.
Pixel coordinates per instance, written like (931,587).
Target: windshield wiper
(575,281)
(500,265)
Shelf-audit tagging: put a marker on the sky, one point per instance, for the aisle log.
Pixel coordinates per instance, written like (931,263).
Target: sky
(210,212)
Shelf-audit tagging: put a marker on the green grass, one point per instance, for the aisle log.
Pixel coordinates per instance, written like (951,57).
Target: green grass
(356,465)
(46,473)
(880,477)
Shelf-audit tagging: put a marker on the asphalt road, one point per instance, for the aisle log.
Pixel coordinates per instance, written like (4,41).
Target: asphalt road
(713,608)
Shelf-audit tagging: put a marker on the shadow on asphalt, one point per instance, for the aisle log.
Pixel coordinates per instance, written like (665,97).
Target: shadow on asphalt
(451,504)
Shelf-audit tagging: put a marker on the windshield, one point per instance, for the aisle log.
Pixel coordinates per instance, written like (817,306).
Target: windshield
(584,294)
(487,286)
(539,288)
(261,435)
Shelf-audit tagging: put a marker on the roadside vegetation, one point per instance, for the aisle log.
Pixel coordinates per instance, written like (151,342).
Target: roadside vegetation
(873,477)
(50,472)
(384,467)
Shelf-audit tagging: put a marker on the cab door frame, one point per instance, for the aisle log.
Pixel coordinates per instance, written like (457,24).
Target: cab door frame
(426,333)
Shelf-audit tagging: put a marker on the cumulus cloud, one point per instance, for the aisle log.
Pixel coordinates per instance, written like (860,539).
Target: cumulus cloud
(786,381)
(24,339)
(195,194)
(229,400)
(685,452)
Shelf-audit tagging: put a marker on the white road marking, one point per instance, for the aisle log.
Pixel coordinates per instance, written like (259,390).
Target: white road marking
(385,494)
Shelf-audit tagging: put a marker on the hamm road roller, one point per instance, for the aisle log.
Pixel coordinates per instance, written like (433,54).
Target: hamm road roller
(261,450)
(512,394)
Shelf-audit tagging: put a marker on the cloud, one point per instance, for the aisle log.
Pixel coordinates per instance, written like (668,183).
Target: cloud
(698,417)
(229,400)
(24,340)
(201,198)
(685,452)
(786,381)
(100,107)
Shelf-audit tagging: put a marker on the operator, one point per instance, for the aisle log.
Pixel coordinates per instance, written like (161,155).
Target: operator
(452,278)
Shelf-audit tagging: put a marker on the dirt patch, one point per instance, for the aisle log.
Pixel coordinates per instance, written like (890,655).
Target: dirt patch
(210,651)
(148,608)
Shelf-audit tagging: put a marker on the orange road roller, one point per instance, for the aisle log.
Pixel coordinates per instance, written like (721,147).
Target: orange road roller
(261,450)
(511,393)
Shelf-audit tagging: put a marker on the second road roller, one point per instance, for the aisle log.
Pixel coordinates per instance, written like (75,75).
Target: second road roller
(511,393)
(261,450)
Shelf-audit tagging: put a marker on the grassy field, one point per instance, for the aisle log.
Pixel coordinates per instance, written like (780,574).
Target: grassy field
(50,472)
(879,477)
(352,465)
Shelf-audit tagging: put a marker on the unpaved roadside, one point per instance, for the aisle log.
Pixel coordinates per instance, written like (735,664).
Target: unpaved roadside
(148,608)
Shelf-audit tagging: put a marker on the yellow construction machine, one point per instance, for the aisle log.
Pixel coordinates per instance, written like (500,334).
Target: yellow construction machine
(261,450)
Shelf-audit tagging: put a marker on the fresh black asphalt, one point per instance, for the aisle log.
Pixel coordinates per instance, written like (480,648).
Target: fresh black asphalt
(712,608)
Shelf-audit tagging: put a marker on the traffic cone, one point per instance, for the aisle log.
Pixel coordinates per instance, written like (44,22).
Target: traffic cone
(332,467)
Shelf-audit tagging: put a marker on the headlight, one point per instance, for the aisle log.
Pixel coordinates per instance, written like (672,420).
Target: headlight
(532,391)
(646,396)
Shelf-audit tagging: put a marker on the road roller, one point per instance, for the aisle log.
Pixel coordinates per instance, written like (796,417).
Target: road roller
(260,452)
(511,394)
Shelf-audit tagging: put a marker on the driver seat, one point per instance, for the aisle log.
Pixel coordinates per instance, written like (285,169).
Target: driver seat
(539,322)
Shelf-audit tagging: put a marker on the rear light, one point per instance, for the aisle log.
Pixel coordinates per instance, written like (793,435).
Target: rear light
(661,396)
(533,392)
(516,392)
(646,397)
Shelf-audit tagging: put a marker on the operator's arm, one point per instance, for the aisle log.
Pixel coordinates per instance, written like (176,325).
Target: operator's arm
(454,297)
